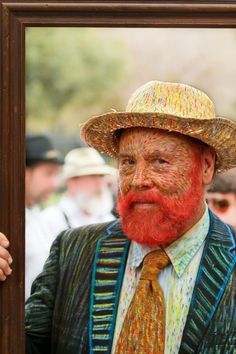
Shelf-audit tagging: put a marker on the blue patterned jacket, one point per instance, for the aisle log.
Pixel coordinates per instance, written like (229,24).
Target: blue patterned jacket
(74,302)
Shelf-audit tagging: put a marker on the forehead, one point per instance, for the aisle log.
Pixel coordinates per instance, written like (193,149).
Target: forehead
(88,178)
(45,167)
(148,139)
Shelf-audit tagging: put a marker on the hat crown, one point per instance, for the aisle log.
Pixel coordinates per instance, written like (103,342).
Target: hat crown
(40,148)
(85,161)
(83,157)
(174,99)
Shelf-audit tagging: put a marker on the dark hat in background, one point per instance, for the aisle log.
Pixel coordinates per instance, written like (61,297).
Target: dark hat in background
(39,148)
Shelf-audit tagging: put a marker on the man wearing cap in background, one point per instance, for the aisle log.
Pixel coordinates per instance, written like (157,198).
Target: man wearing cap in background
(162,279)
(221,197)
(41,179)
(88,198)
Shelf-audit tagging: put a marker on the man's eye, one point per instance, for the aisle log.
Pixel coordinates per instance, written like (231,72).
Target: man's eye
(158,162)
(127,162)
(161,161)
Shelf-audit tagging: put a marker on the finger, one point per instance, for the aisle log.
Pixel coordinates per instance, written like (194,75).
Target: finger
(4,267)
(2,276)
(5,255)
(3,240)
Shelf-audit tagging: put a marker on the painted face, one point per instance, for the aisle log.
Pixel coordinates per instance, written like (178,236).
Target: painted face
(161,192)
(41,180)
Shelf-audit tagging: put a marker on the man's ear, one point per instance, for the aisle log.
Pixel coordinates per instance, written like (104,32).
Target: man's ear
(208,165)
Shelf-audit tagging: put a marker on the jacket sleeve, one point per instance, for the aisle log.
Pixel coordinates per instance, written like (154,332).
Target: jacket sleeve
(40,305)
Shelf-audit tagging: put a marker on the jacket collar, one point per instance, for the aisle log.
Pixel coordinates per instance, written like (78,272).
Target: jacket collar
(217,263)
(108,270)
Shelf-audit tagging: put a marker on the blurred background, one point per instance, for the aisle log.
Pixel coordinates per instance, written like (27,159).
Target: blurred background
(75,73)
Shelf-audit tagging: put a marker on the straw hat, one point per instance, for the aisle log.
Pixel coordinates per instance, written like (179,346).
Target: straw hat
(172,107)
(85,162)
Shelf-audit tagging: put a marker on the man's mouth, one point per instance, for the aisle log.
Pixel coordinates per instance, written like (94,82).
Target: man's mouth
(143,205)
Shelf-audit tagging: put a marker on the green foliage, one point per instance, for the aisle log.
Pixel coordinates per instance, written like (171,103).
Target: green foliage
(71,70)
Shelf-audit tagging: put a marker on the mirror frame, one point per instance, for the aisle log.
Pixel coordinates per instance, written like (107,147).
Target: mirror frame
(15,18)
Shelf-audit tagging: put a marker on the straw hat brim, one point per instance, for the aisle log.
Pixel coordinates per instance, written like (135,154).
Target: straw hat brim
(220,133)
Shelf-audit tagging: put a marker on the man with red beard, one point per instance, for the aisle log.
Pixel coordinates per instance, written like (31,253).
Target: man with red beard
(162,279)
(158,179)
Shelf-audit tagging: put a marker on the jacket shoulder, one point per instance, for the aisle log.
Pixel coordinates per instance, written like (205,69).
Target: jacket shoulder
(225,231)
(87,231)
(84,238)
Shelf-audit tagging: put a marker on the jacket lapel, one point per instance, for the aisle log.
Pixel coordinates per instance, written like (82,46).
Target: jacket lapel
(108,270)
(216,266)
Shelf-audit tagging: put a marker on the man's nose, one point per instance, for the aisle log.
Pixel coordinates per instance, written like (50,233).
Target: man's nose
(141,180)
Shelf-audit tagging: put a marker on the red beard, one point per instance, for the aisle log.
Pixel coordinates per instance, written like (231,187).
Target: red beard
(166,220)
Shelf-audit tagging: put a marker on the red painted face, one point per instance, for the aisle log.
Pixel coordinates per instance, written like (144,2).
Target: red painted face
(161,192)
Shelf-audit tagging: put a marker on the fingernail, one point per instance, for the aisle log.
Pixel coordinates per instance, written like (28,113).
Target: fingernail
(9,271)
(5,243)
(10,260)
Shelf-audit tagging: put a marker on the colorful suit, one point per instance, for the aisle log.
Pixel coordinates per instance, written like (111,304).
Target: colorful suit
(74,305)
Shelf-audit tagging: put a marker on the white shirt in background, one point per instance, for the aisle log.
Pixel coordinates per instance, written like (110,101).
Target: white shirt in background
(67,214)
(38,240)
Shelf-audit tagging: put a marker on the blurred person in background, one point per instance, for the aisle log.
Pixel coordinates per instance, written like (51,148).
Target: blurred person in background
(88,198)
(41,179)
(221,197)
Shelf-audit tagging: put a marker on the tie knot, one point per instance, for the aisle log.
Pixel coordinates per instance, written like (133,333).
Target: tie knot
(153,263)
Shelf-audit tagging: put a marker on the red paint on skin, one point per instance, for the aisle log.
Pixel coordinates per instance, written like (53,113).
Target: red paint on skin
(159,201)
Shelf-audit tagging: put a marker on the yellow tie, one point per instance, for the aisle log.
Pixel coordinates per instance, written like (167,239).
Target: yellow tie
(143,329)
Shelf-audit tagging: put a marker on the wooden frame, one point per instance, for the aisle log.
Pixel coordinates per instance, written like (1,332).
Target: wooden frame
(15,17)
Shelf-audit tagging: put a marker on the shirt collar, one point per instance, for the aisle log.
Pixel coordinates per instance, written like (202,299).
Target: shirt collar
(180,252)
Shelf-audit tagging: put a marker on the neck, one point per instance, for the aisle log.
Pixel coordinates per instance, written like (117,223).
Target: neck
(194,220)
